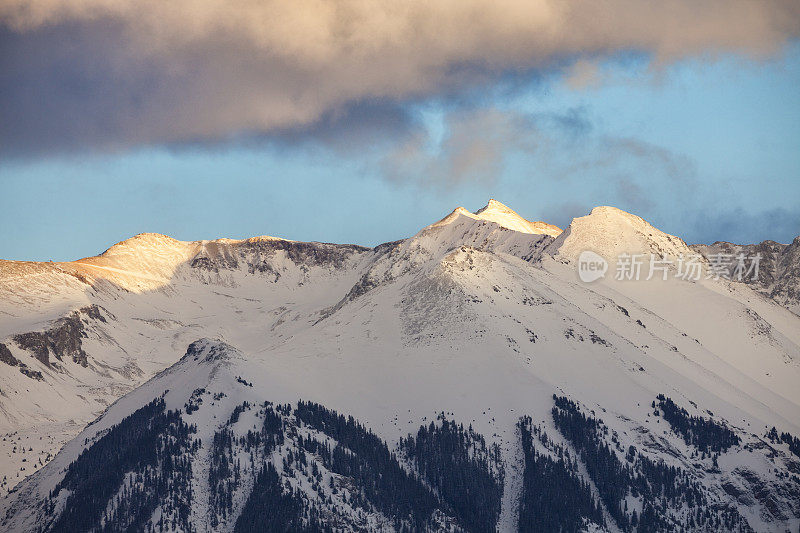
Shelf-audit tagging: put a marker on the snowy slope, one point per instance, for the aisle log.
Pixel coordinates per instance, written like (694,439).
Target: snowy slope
(469,317)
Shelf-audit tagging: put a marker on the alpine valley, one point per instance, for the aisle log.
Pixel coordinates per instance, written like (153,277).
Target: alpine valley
(463,379)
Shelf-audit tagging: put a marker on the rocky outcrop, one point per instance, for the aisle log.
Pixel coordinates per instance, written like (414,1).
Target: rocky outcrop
(778,274)
(63,340)
(29,372)
(7,357)
(257,253)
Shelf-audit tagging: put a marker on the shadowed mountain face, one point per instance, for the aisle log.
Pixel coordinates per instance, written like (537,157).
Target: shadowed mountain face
(779,268)
(483,378)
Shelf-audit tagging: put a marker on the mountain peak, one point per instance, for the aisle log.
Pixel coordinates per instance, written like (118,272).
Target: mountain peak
(504,216)
(610,231)
(494,205)
(609,212)
(141,240)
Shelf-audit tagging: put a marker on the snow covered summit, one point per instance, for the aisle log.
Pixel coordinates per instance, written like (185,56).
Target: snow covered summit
(504,216)
(610,232)
(508,218)
(469,352)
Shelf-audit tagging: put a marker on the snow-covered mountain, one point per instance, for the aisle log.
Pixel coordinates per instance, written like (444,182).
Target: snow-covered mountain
(488,386)
(779,268)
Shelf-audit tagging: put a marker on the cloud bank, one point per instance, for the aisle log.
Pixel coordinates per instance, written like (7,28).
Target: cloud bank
(113,74)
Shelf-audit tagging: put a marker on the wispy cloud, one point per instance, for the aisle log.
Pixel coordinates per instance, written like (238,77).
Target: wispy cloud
(111,74)
(477,143)
(611,155)
(584,73)
(474,147)
(744,226)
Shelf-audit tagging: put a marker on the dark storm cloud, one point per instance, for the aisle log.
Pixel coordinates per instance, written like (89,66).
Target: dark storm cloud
(113,74)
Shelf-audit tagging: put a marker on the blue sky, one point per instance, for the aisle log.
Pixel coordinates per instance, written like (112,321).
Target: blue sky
(704,147)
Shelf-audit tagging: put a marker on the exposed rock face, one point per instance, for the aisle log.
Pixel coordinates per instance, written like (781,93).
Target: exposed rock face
(7,357)
(257,253)
(308,253)
(35,342)
(778,269)
(93,312)
(779,501)
(62,340)
(33,374)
